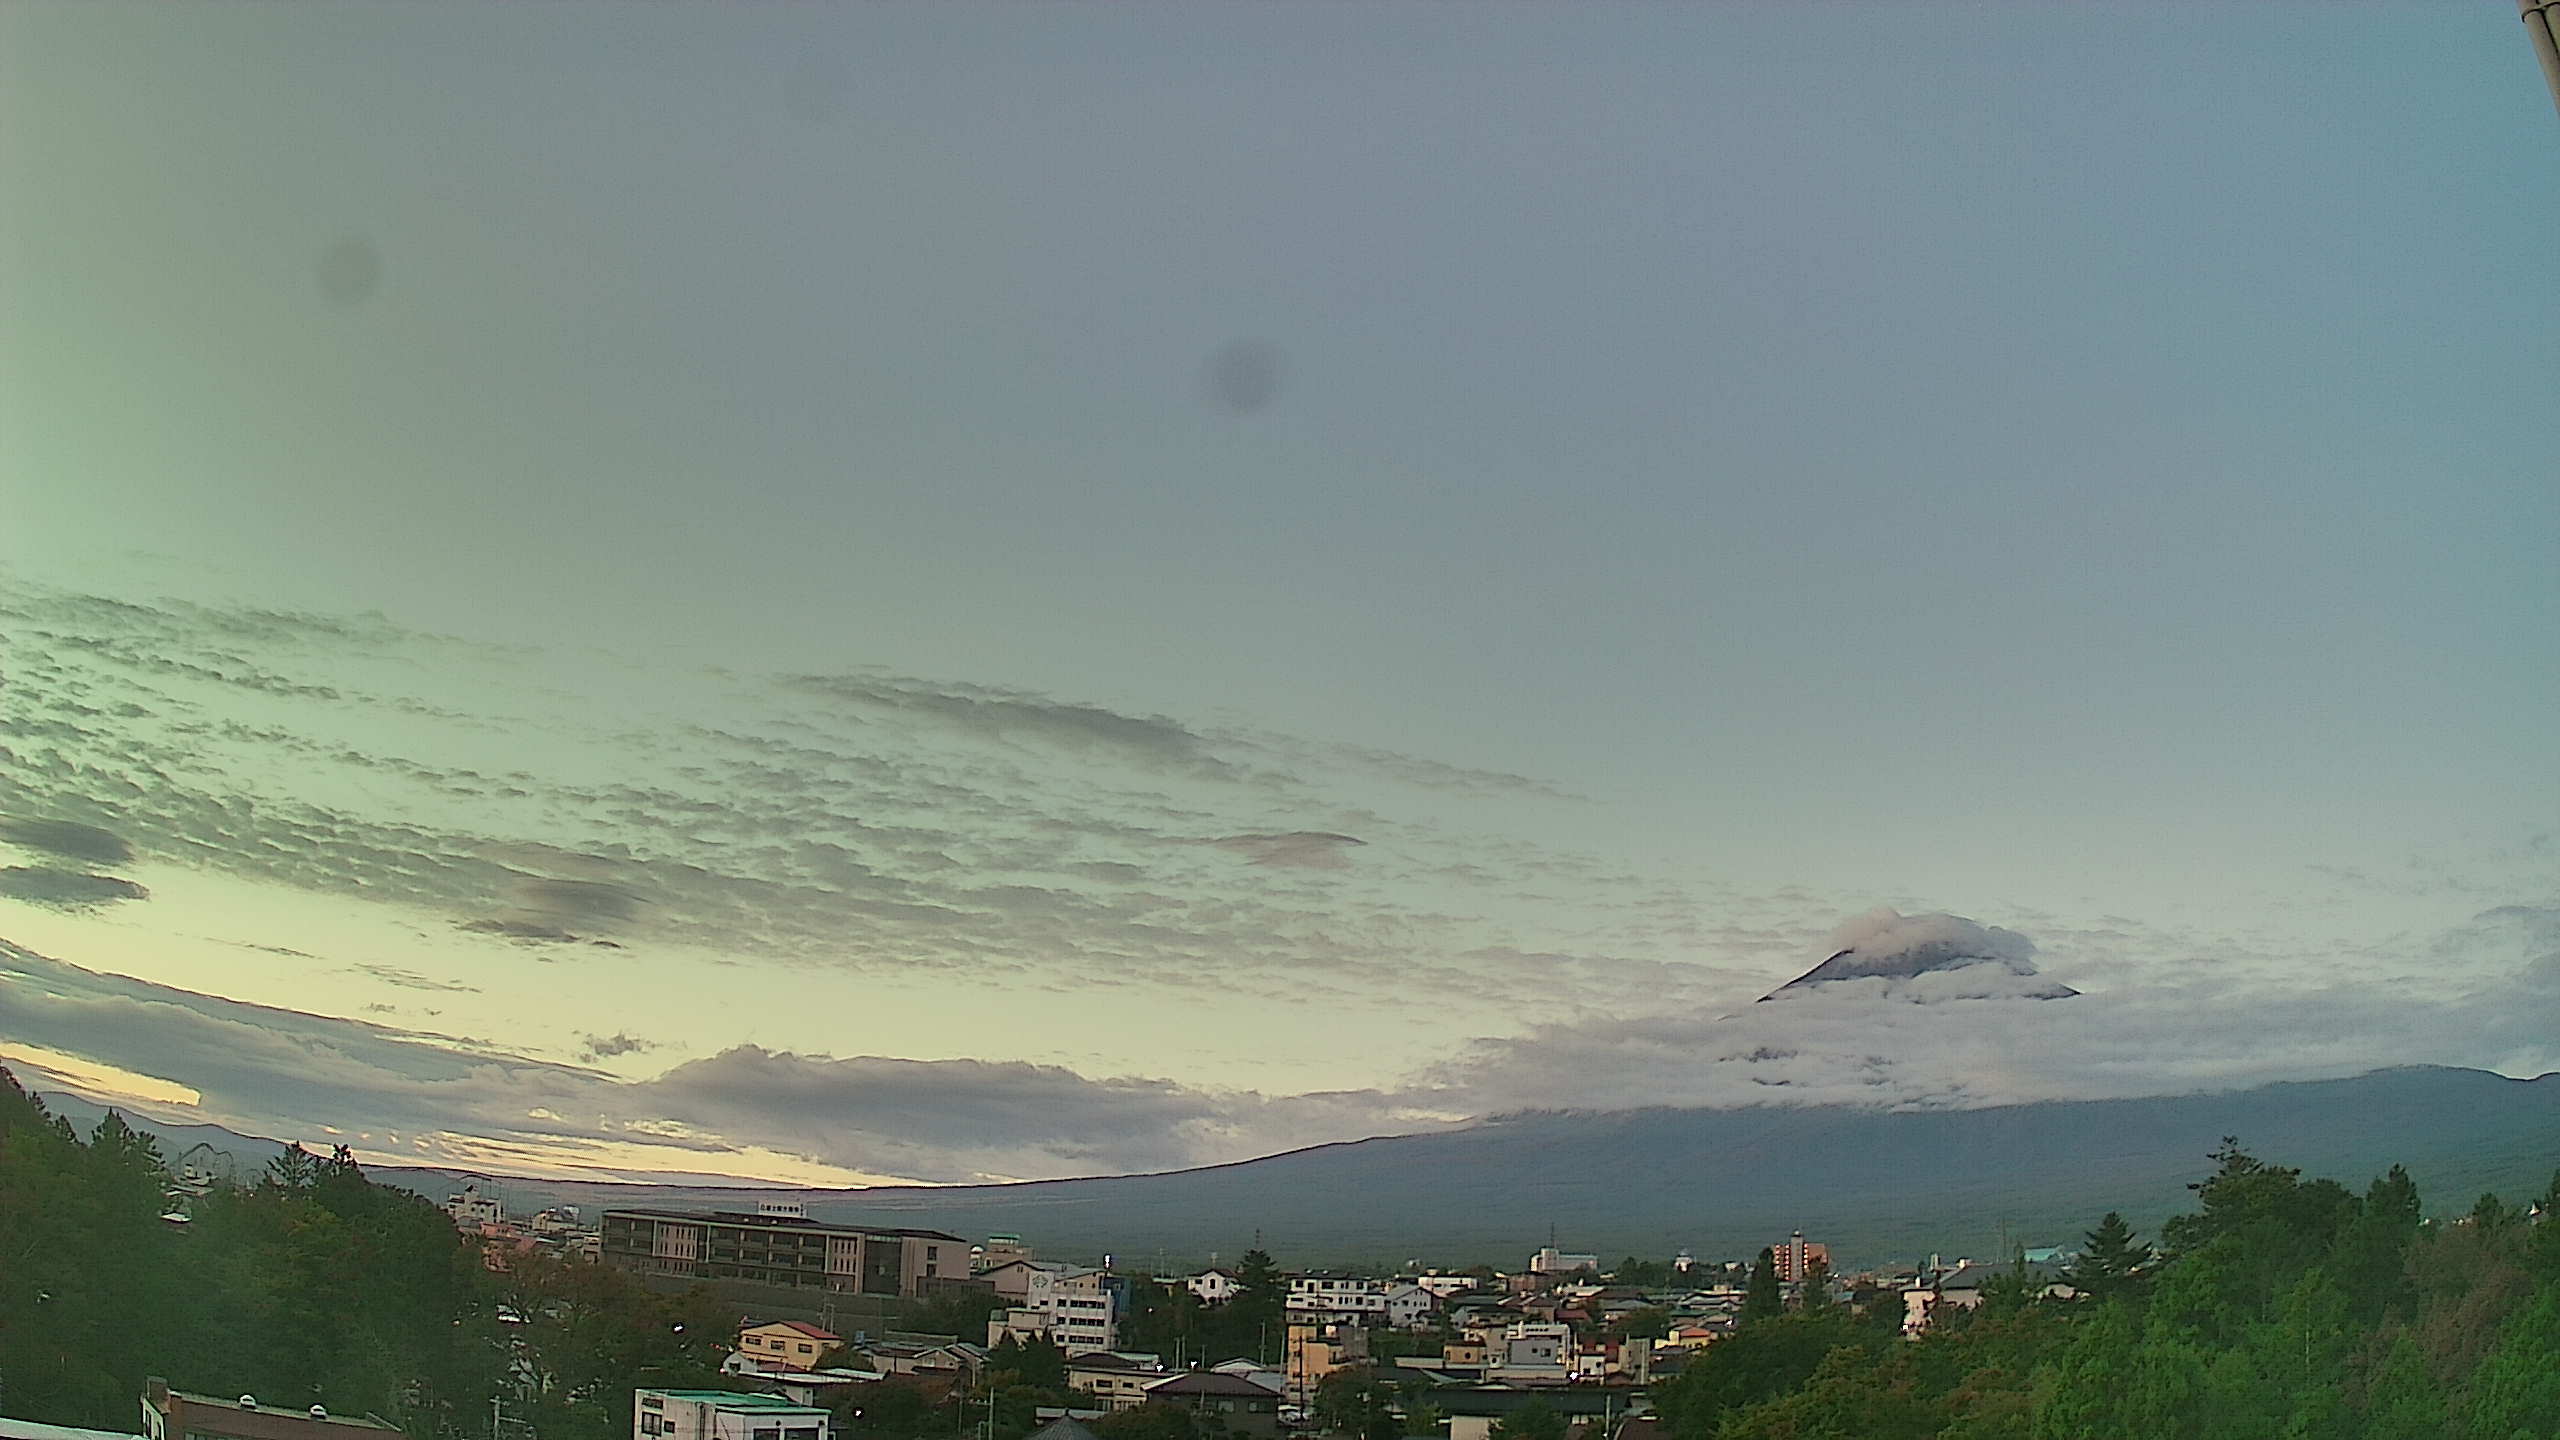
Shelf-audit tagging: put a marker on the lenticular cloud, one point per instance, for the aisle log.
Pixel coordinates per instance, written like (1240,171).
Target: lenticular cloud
(1930,957)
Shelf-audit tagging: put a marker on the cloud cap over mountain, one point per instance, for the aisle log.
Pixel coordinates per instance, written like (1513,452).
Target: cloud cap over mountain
(1885,944)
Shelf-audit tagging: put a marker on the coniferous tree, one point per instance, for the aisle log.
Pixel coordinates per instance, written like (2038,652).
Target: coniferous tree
(2109,1259)
(1761,1298)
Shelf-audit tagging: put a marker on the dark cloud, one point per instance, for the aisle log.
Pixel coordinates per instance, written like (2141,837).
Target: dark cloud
(1000,713)
(1308,849)
(606,1047)
(66,838)
(66,889)
(410,979)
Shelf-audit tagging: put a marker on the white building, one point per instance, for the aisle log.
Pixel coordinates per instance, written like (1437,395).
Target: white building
(1400,1303)
(1445,1286)
(1213,1285)
(471,1209)
(1083,1315)
(722,1415)
(1551,1261)
(1069,1306)
(1532,1349)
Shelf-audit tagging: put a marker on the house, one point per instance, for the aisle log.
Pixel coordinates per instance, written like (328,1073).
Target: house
(1473,1409)
(1116,1381)
(1239,1406)
(1260,1374)
(723,1415)
(1963,1287)
(775,1247)
(785,1344)
(1213,1285)
(1065,1427)
(178,1415)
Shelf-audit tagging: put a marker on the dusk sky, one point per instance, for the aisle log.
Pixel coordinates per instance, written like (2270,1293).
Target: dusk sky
(940,593)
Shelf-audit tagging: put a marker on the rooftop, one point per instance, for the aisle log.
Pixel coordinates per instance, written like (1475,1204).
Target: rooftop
(36,1430)
(269,1422)
(737,1400)
(780,1222)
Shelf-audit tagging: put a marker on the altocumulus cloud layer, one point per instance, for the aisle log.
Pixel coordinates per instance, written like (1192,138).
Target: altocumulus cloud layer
(569,826)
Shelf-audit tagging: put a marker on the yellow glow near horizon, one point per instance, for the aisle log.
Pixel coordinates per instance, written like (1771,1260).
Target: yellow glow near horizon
(98,1081)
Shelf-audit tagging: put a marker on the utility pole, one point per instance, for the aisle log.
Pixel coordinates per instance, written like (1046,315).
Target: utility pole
(2542,27)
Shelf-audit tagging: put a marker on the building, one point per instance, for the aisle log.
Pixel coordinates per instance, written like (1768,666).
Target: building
(1398,1303)
(1075,1308)
(1084,1312)
(1024,1282)
(1213,1285)
(1551,1261)
(471,1209)
(38,1430)
(999,1250)
(1473,1410)
(177,1415)
(786,1344)
(1533,1350)
(1963,1287)
(1116,1381)
(1240,1406)
(783,1249)
(1796,1258)
(723,1415)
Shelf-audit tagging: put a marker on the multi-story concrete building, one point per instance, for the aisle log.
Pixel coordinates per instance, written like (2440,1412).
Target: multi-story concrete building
(470,1209)
(1084,1312)
(1551,1261)
(1075,1308)
(1400,1303)
(722,1415)
(781,1249)
(1796,1257)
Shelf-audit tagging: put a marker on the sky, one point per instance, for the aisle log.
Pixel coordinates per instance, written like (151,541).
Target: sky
(940,593)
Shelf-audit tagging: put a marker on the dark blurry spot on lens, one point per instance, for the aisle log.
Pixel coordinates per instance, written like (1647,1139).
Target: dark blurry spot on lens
(1244,375)
(349,271)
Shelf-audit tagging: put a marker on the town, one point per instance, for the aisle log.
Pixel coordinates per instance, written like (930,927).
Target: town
(311,1302)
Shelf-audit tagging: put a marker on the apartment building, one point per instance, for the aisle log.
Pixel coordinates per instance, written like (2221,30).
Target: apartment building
(722,1415)
(782,1249)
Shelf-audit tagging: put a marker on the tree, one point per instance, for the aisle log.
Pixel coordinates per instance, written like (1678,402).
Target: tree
(1645,1322)
(1761,1299)
(2110,1258)
(1536,1420)
(1815,1295)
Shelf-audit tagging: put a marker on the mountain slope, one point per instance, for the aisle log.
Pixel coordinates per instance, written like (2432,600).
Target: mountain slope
(1877,1186)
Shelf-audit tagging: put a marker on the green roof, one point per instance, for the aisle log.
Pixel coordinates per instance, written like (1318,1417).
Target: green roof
(738,1400)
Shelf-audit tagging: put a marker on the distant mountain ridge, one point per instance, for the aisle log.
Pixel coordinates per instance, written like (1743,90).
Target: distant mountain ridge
(1876,1185)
